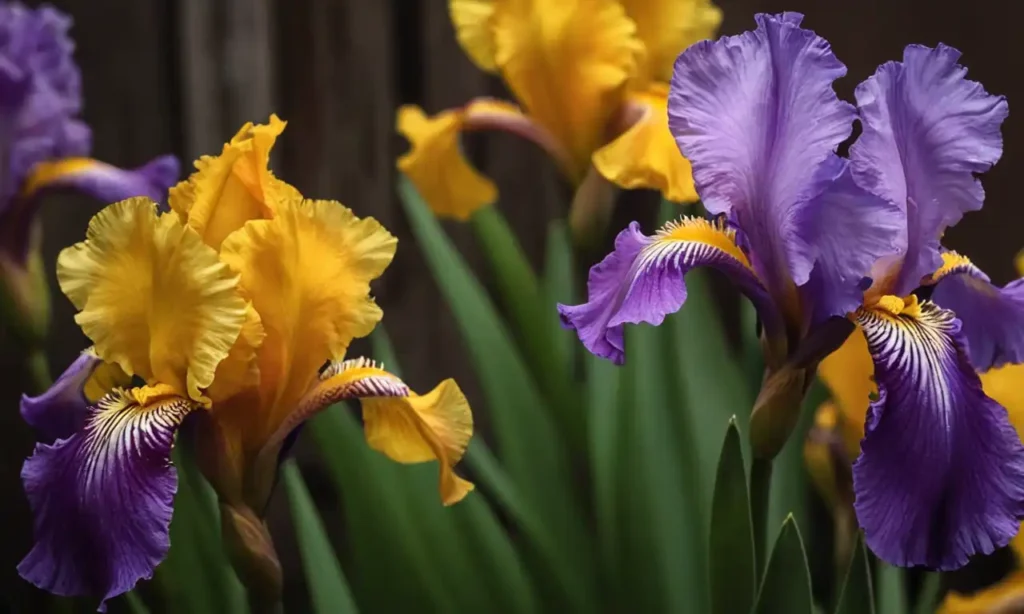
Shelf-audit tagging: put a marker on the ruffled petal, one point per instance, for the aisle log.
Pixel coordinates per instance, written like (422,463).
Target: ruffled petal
(851,230)
(756,116)
(308,273)
(152,296)
(642,281)
(667,27)
(102,181)
(992,317)
(436,165)
(474,27)
(407,427)
(1005,597)
(567,62)
(228,190)
(941,472)
(927,131)
(102,497)
(61,411)
(240,368)
(645,155)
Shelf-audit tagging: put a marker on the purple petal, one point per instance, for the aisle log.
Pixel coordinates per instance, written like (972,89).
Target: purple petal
(642,281)
(61,411)
(102,499)
(941,471)
(927,131)
(105,182)
(756,115)
(851,229)
(992,317)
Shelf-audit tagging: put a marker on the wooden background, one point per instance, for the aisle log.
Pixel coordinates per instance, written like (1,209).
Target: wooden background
(182,76)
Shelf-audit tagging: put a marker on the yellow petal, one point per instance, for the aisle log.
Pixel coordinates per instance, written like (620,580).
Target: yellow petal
(240,369)
(416,429)
(848,372)
(1006,386)
(152,296)
(1018,262)
(567,61)
(818,456)
(230,189)
(474,29)
(1005,597)
(646,155)
(436,166)
(308,273)
(667,27)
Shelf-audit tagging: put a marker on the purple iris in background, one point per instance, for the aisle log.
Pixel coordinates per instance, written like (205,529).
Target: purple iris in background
(42,144)
(941,471)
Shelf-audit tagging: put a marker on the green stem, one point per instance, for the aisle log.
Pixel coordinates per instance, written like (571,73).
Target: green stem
(760,488)
(38,370)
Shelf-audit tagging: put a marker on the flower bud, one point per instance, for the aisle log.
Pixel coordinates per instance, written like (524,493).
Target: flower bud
(777,409)
(252,553)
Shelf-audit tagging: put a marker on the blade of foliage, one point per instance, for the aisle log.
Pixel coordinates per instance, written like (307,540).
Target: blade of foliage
(529,446)
(931,593)
(135,604)
(607,462)
(559,285)
(731,551)
(663,543)
(786,588)
(892,589)
(471,525)
(328,588)
(531,317)
(710,379)
(857,595)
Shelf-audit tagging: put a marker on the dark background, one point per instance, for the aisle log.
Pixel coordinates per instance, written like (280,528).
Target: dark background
(164,76)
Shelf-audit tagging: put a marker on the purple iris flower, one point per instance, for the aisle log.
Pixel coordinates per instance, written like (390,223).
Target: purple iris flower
(941,472)
(42,142)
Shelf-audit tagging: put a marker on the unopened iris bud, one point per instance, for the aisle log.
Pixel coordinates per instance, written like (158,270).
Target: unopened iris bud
(252,553)
(777,410)
(25,296)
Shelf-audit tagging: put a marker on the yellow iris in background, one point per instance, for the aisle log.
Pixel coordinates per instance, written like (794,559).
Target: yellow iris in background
(235,300)
(591,76)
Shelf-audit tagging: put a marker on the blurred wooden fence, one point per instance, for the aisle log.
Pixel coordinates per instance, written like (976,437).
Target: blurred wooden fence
(182,76)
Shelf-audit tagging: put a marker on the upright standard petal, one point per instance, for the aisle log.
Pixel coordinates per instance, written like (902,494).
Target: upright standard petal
(756,116)
(992,317)
(102,497)
(102,181)
(851,230)
(152,296)
(667,27)
(61,411)
(642,281)
(645,155)
(927,132)
(308,274)
(474,27)
(407,427)
(228,190)
(941,471)
(567,62)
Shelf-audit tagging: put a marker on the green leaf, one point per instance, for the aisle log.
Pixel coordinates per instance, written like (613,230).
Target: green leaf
(559,283)
(135,603)
(733,580)
(786,588)
(931,593)
(857,596)
(328,588)
(892,590)
(529,446)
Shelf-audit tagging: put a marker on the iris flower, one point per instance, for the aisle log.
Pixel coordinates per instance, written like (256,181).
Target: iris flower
(44,145)
(237,306)
(809,236)
(591,78)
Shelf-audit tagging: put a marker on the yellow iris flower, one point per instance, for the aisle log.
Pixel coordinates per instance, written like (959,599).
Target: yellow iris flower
(591,76)
(848,374)
(232,303)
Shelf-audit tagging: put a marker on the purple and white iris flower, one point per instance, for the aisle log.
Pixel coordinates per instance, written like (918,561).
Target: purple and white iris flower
(43,144)
(941,471)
